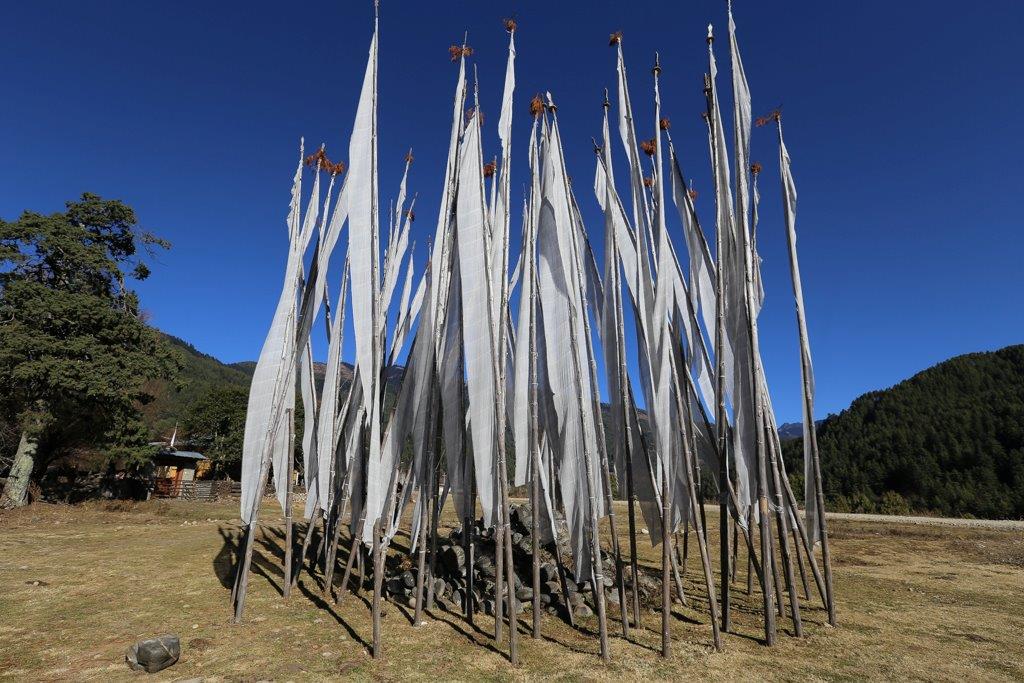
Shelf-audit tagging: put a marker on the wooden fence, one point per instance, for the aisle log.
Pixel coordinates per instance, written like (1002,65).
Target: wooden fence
(205,489)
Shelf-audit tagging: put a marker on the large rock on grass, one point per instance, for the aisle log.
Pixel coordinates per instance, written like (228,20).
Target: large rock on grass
(154,654)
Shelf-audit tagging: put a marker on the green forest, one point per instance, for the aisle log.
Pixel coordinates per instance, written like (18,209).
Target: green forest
(947,441)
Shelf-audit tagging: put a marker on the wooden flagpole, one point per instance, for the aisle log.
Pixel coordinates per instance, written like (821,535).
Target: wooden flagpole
(782,525)
(596,568)
(421,566)
(805,542)
(241,586)
(721,419)
(428,490)
(332,552)
(620,356)
(288,543)
(307,536)
(534,430)
(595,398)
(688,457)
(436,504)
(806,372)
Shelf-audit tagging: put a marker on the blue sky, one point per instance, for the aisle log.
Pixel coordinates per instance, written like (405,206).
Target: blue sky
(903,120)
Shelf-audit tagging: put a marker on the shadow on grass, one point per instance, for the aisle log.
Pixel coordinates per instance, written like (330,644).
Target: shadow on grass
(319,601)
(225,562)
(454,624)
(229,558)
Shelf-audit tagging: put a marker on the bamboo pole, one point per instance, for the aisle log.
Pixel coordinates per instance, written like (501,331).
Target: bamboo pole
(782,524)
(535,536)
(499,573)
(562,579)
(378,579)
(242,574)
(680,557)
(750,554)
(467,542)
(688,458)
(421,567)
(575,311)
(627,405)
(666,641)
(595,549)
(800,563)
(428,490)
(288,543)
(633,561)
(808,392)
(675,572)
(307,536)
(436,513)
(735,550)
(332,550)
(595,398)
(382,541)
(762,465)
(673,563)
(534,430)
(504,532)
(780,607)
(597,568)
(354,552)
(806,543)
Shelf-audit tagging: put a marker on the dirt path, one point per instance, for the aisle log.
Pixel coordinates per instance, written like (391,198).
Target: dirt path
(995,524)
(958,522)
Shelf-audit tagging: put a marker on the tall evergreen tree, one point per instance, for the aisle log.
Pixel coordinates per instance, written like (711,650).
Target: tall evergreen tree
(75,351)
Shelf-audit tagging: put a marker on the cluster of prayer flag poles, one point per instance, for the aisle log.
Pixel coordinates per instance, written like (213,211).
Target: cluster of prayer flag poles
(479,370)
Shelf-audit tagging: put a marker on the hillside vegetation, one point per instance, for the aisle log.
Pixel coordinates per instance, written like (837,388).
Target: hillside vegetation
(199,375)
(949,441)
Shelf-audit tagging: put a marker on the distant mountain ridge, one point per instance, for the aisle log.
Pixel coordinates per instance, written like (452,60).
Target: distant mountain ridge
(794,430)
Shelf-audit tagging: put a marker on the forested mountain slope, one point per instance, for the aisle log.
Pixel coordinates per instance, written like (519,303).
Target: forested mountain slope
(949,440)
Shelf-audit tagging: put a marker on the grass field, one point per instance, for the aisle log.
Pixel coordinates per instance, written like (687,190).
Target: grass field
(79,584)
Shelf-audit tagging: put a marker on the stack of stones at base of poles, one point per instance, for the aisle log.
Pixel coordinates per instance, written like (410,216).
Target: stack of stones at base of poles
(450,580)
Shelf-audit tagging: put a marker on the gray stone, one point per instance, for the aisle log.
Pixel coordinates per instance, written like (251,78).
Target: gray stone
(454,559)
(583,611)
(154,654)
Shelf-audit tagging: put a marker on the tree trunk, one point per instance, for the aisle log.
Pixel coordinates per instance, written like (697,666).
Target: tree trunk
(16,489)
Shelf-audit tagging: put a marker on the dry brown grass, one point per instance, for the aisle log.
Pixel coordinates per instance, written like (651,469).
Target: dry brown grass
(924,603)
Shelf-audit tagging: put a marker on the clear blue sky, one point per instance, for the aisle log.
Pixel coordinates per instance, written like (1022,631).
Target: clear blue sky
(903,119)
